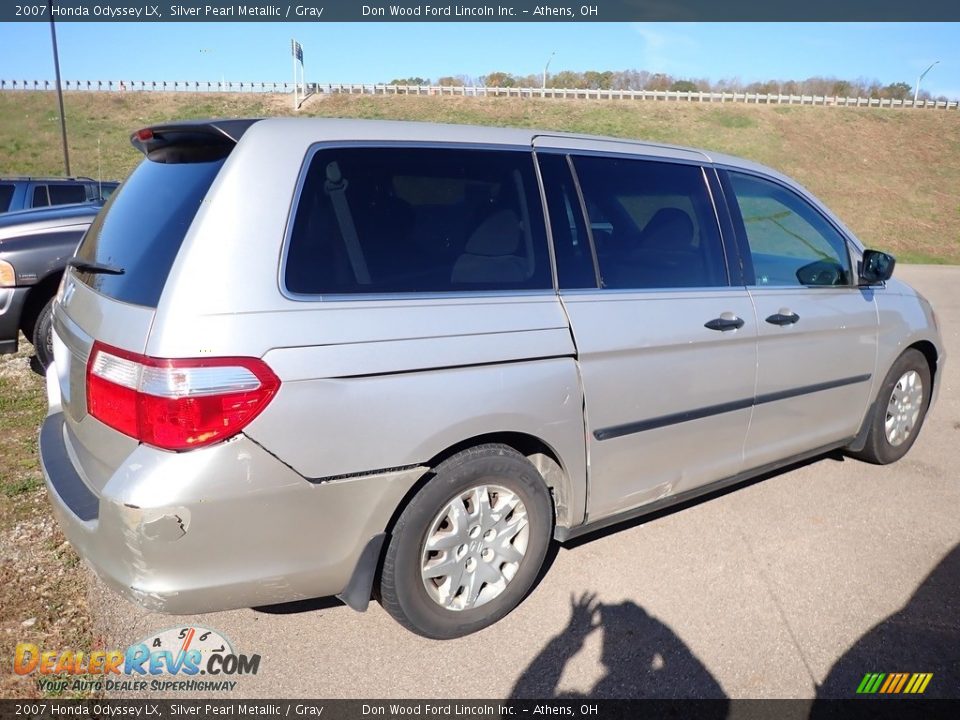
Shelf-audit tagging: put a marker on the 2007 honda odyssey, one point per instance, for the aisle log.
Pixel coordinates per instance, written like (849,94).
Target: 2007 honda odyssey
(297,358)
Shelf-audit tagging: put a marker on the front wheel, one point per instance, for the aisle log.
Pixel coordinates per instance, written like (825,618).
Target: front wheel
(899,410)
(469,546)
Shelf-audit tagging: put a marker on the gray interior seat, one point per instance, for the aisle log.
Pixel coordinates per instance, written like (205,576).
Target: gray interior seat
(490,253)
(665,255)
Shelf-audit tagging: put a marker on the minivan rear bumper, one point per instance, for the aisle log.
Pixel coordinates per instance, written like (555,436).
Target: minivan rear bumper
(217,528)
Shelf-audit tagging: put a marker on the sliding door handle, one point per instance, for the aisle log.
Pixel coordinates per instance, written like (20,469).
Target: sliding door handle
(784,317)
(726,321)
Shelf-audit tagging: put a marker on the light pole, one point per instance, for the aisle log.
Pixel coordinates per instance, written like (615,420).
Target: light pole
(916,91)
(547,67)
(56,69)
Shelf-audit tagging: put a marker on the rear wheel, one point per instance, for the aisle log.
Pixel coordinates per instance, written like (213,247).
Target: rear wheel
(43,335)
(899,410)
(469,546)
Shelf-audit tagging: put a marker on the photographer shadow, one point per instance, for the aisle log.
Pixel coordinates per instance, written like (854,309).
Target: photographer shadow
(922,637)
(642,657)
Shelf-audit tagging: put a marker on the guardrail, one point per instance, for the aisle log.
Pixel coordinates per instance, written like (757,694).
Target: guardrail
(476,91)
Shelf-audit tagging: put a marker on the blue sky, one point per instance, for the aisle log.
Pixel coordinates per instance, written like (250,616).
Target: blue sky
(378,52)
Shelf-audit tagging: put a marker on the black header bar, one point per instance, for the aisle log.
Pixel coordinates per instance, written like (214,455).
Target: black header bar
(213,11)
(564,709)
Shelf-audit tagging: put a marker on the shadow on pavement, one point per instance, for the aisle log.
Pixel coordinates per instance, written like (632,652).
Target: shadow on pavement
(922,637)
(642,658)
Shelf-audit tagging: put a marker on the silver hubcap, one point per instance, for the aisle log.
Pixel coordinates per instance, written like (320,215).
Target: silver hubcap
(903,410)
(474,547)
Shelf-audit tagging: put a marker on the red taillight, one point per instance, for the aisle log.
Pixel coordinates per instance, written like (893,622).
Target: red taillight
(144,135)
(176,404)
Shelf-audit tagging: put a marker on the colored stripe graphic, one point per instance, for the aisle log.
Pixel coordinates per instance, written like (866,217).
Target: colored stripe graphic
(894,683)
(903,681)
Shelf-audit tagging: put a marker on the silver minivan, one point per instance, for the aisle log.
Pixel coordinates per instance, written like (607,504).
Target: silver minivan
(306,357)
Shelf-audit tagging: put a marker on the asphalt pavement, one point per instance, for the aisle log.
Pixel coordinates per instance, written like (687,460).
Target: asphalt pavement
(788,587)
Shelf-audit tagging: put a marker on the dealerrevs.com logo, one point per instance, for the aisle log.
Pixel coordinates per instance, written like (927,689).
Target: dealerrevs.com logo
(189,659)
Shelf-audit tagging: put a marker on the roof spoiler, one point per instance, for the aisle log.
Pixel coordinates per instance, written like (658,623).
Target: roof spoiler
(215,137)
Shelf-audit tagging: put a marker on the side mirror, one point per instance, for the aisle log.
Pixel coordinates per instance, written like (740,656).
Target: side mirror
(876,267)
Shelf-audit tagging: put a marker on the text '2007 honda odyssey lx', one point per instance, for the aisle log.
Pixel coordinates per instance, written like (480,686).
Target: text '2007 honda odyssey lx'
(296,358)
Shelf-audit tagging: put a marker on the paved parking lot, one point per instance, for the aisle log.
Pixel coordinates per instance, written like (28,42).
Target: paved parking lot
(792,586)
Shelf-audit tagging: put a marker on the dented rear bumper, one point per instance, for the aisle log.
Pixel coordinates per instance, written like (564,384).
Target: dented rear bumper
(216,528)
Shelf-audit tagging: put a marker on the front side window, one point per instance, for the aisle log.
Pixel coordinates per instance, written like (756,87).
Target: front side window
(653,224)
(395,220)
(790,242)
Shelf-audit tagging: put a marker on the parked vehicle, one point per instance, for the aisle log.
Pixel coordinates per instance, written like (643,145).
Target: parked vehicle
(387,372)
(25,193)
(35,246)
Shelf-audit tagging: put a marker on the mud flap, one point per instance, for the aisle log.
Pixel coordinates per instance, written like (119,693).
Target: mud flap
(356,594)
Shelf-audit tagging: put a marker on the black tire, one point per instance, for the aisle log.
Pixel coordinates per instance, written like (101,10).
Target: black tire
(43,335)
(403,591)
(878,448)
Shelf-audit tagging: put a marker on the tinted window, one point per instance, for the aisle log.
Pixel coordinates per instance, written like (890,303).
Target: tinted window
(40,197)
(791,243)
(100,191)
(142,227)
(571,243)
(373,220)
(6,195)
(66,194)
(653,224)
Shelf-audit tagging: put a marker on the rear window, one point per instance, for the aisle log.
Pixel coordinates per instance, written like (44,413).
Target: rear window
(394,220)
(142,227)
(66,194)
(6,195)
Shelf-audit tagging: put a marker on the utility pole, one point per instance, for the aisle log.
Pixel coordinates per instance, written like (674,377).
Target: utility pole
(916,91)
(545,68)
(293,52)
(56,69)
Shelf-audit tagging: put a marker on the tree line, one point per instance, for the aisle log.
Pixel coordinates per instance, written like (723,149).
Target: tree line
(644,80)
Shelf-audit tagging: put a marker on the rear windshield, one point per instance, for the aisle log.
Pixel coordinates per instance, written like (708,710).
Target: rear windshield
(142,226)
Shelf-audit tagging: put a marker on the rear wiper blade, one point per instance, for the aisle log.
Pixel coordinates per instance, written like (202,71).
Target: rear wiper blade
(95,267)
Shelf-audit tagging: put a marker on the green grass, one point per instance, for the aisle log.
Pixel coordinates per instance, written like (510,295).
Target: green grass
(22,407)
(891,175)
(919,258)
(735,120)
(41,577)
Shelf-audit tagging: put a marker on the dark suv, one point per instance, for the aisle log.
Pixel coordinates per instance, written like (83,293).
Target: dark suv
(35,246)
(24,193)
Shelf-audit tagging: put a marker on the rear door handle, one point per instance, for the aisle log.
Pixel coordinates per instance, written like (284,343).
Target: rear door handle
(784,317)
(726,321)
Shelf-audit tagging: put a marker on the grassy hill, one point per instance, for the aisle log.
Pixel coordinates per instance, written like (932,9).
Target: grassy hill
(892,175)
